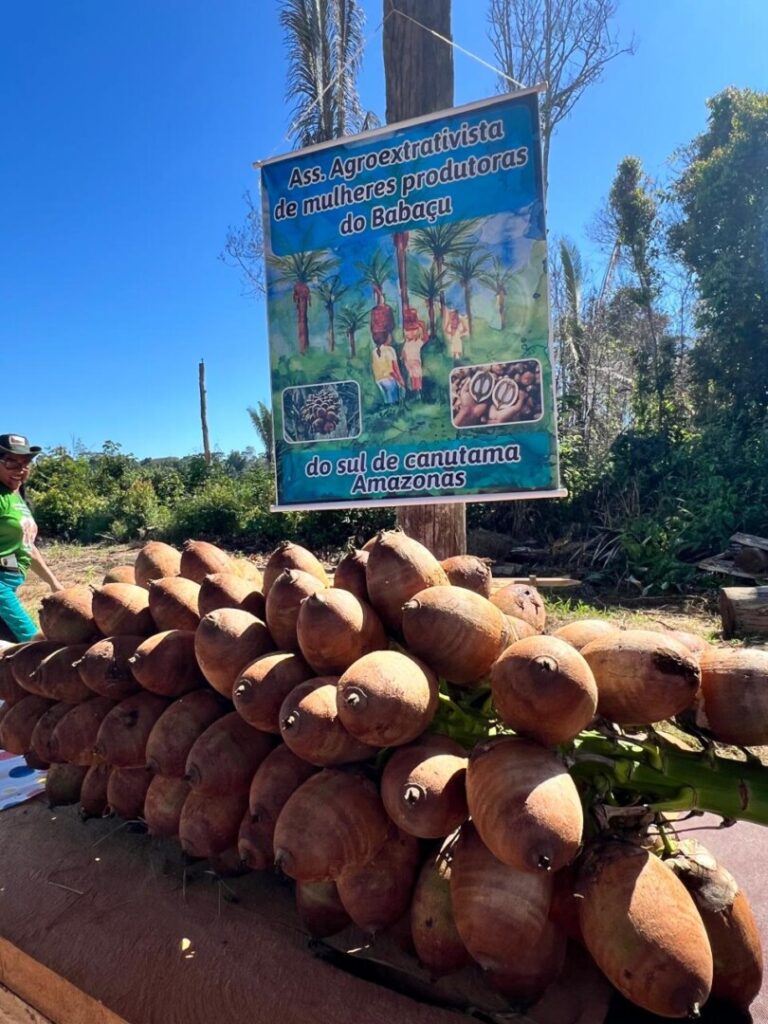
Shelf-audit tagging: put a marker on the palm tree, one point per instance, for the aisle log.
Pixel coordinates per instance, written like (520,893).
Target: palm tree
(465,269)
(324,41)
(352,319)
(261,419)
(330,291)
(441,242)
(301,268)
(497,278)
(572,325)
(428,285)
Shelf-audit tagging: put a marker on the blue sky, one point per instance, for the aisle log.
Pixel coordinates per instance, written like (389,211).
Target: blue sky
(130,130)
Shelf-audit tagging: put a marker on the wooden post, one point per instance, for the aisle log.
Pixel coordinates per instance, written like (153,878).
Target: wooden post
(204,414)
(418,68)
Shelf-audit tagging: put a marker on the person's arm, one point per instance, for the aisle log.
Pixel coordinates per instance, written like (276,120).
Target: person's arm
(40,567)
(396,371)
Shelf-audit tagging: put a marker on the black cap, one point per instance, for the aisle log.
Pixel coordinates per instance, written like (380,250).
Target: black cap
(17,444)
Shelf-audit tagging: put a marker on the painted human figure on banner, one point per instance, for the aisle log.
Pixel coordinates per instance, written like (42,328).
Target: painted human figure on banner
(415,334)
(456,328)
(386,369)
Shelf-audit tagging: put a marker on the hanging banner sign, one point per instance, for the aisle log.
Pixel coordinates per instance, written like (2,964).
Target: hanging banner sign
(408,313)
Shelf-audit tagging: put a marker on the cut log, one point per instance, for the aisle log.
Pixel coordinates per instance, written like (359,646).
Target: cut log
(744,611)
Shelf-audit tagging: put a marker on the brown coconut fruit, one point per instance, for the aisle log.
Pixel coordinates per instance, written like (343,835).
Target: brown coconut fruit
(199,559)
(63,783)
(163,805)
(225,642)
(334,629)
(734,685)
(155,561)
(423,787)
(284,600)
(311,727)
(524,804)
(580,994)
(210,822)
(40,739)
(387,698)
(288,555)
(333,821)
(262,686)
(57,677)
(19,722)
(124,731)
(644,931)
(399,568)
(544,689)
(173,603)
(458,633)
(564,908)
(320,909)
(228,590)
(729,922)
(696,644)
(583,631)
(93,792)
(176,730)
(350,574)
(500,913)
(74,737)
(122,609)
(519,630)
(24,660)
(470,572)
(435,936)
(278,776)
(127,791)
(378,893)
(523,602)
(67,616)
(104,668)
(534,970)
(642,676)
(224,758)
(246,569)
(165,663)
(10,691)
(120,574)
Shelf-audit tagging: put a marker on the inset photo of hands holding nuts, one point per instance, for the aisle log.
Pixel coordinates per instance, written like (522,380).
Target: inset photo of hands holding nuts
(493,393)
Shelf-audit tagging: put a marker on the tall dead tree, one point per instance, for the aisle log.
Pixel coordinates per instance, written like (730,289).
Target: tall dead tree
(418,68)
(204,413)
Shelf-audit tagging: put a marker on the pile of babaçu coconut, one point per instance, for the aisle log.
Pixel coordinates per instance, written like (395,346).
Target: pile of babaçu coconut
(407,741)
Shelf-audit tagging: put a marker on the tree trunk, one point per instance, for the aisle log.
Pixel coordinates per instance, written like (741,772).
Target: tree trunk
(744,611)
(419,77)
(204,413)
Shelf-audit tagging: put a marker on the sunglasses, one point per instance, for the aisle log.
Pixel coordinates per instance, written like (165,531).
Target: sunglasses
(15,464)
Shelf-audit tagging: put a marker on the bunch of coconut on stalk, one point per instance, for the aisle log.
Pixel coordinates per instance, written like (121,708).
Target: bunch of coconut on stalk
(411,748)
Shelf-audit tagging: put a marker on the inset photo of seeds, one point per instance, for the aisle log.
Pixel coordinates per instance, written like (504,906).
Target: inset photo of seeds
(321,412)
(493,393)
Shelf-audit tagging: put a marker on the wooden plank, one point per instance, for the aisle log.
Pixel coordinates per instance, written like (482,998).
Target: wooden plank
(41,988)
(744,611)
(749,540)
(723,563)
(14,1011)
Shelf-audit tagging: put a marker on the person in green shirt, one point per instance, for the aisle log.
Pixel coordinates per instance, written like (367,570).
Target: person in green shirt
(18,533)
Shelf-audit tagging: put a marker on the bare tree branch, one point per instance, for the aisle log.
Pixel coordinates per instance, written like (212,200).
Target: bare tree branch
(566,43)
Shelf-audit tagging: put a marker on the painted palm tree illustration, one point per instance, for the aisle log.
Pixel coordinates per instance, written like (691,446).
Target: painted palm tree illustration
(351,320)
(400,239)
(428,285)
(376,273)
(330,291)
(497,277)
(465,269)
(302,269)
(443,242)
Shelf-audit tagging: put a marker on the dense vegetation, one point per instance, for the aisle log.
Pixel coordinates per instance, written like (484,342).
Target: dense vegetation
(662,380)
